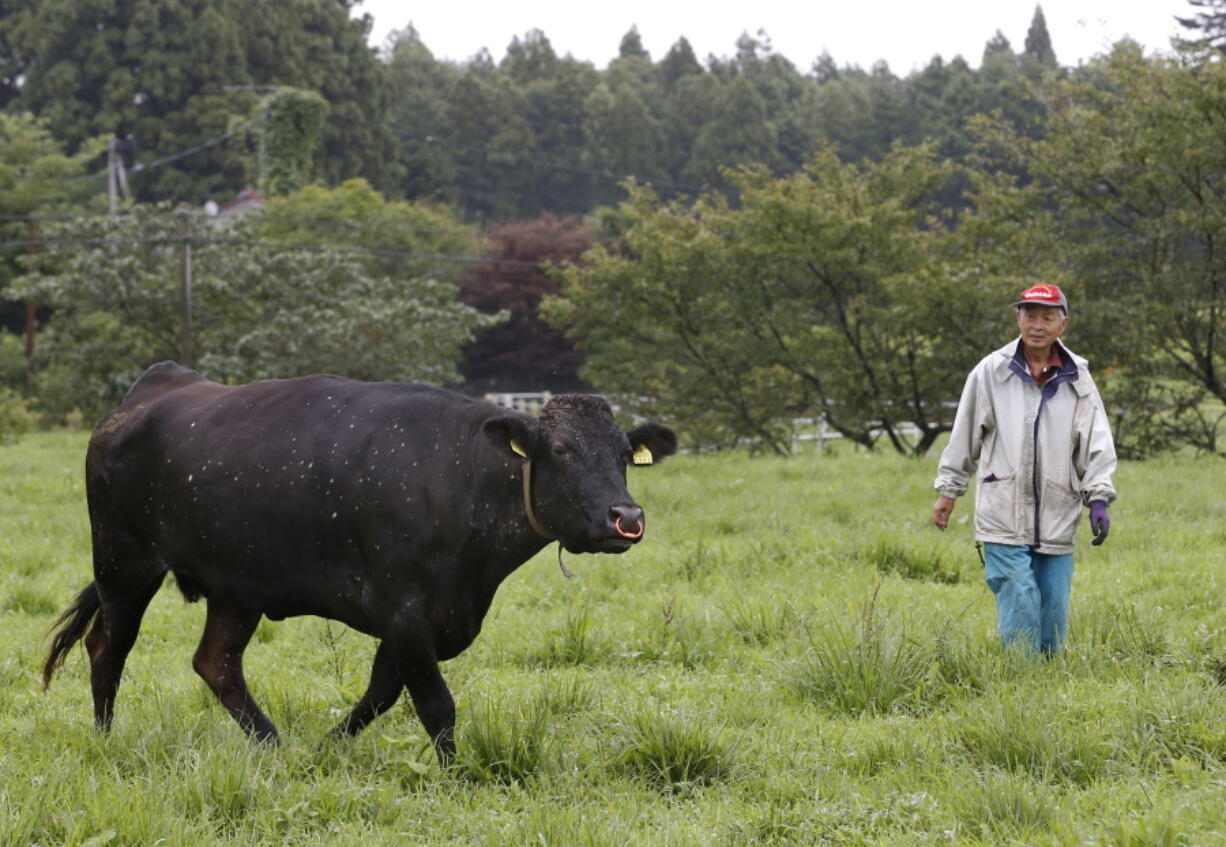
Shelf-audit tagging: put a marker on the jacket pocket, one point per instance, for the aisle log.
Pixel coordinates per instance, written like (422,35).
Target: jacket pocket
(996,504)
(1059,514)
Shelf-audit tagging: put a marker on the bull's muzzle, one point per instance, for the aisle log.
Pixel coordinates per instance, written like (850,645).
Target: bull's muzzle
(634,535)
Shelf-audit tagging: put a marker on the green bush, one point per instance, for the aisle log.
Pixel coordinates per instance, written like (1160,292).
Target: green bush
(12,359)
(16,417)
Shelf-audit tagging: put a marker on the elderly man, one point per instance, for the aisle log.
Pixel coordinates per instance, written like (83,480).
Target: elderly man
(1032,422)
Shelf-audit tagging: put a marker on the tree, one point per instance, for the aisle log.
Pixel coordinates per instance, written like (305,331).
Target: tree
(259,309)
(632,45)
(823,293)
(623,137)
(492,144)
(679,62)
(171,74)
(290,124)
(420,238)
(691,104)
(36,174)
(1038,42)
(1129,187)
(419,88)
(560,180)
(740,133)
(1209,21)
(36,177)
(997,44)
(531,59)
(523,353)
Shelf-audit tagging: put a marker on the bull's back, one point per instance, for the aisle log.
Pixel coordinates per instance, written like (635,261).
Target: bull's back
(299,480)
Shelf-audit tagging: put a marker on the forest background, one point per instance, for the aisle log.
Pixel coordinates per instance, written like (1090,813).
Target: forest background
(733,244)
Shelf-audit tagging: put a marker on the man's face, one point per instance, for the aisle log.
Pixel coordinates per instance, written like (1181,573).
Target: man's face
(1041,326)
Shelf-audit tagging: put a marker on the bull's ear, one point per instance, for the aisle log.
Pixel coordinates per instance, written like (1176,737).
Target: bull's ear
(513,434)
(651,443)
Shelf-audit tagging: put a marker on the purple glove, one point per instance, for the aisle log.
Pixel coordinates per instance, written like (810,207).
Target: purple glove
(1100,523)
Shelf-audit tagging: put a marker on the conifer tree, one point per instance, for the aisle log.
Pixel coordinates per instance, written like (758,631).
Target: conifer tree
(632,45)
(998,44)
(1038,42)
(678,62)
(1209,21)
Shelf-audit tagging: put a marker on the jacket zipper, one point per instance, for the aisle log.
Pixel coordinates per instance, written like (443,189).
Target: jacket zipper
(1034,477)
(1043,395)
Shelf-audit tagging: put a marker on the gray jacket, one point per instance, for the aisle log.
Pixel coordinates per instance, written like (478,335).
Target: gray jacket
(1041,453)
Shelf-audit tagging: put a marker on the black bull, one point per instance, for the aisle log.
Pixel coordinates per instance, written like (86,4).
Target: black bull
(396,509)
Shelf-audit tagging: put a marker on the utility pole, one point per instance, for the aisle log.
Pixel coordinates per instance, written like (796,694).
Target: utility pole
(112,178)
(31,249)
(116,175)
(186,354)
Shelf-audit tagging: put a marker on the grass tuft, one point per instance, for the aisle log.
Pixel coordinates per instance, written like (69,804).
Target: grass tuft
(761,622)
(1119,630)
(505,746)
(1170,724)
(875,669)
(1019,732)
(572,642)
(1001,806)
(558,697)
(890,557)
(674,751)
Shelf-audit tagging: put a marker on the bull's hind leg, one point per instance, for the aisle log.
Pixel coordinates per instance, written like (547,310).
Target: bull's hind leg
(382,693)
(110,639)
(219,661)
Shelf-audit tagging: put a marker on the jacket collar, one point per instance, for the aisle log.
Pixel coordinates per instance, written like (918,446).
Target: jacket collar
(1073,370)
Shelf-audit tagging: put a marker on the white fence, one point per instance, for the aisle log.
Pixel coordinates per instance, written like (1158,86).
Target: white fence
(816,429)
(521,401)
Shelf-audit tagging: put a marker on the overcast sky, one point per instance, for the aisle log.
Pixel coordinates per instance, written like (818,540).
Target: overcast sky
(906,33)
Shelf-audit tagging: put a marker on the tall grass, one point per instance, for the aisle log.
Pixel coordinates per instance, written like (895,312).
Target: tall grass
(793,656)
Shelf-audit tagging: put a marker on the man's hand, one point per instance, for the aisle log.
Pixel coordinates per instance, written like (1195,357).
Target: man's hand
(942,509)
(1100,522)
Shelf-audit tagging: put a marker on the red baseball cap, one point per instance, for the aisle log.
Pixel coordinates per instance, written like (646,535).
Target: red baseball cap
(1043,294)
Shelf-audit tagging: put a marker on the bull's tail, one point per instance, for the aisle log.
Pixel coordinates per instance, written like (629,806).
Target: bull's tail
(71,628)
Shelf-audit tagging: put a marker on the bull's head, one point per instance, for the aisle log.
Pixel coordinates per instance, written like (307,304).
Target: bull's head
(577,457)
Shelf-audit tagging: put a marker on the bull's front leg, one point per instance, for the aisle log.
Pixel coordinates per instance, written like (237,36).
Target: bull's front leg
(415,659)
(435,708)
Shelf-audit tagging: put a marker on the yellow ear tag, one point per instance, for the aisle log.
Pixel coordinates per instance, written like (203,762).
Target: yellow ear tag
(518,448)
(642,456)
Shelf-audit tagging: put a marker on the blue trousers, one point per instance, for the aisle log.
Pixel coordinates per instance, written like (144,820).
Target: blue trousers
(1032,594)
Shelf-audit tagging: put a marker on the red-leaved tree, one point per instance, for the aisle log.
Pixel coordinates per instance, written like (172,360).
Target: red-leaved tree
(523,353)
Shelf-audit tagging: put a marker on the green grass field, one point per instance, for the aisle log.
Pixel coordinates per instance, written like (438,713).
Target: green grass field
(794,655)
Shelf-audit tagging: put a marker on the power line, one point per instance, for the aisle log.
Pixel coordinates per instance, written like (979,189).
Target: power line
(173,157)
(307,220)
(270,245)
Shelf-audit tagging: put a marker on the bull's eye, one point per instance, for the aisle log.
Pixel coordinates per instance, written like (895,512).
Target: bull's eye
(561,451)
